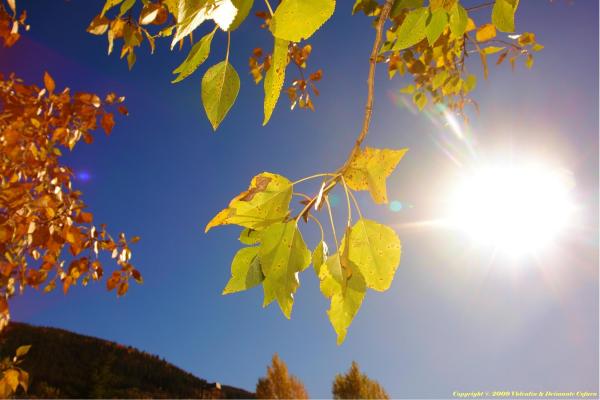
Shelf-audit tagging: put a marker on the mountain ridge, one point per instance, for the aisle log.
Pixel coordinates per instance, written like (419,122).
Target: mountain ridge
(65,364)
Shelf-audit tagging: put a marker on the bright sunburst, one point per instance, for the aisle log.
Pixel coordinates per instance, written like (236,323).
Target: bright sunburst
(514,208)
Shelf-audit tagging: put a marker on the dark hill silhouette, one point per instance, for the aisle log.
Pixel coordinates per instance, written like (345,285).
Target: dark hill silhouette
(64,364)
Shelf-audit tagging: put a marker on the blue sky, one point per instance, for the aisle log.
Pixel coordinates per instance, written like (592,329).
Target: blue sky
(453,319)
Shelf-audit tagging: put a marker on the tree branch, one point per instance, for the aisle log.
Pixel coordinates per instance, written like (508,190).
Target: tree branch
(385,12)
(330,184)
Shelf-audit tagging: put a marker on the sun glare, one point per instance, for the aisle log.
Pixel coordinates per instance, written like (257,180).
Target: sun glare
(516,209)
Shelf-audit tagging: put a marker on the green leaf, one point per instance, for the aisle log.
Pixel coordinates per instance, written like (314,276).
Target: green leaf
(345,305)
(22,350)
(458,20)
(319,256)
(220,87)
(503,14)
(243,8)
(413,29)
(369,169)
(331,276)
(436,25)
(197,55)
(400,5)
(470,83)
(375,250)
(245,271)
(439,79)
(275,77)
(108,5)
(410,89)
(420,100)
(366,6)
(249,236)
(282,254)
(297,20)
(126,6)
(266,201)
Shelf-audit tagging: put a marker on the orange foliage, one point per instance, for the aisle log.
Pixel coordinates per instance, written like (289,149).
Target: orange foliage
(40,213)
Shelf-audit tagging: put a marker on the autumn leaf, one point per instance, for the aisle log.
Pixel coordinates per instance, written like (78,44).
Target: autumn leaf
(485,32)
(108,122)
(246,271)
(375,250)
(369,170)
(296,20)
(220,87)
(275,77)
(503,14)
(49,83)
(197,55)
(265,202)
(282,255)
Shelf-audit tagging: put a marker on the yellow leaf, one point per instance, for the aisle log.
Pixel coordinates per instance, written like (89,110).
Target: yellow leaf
(485,32)
(369,170)
(265,202)
(11,377)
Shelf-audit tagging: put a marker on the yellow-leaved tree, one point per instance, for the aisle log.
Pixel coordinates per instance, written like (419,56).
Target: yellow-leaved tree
(356,385)
(279,384)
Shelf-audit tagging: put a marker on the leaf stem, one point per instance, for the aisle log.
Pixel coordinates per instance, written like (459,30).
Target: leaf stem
(356,204)
(320,226)
(307,197)
(269,7)
(312,177)
(228,45)
(349,222)
(337,246)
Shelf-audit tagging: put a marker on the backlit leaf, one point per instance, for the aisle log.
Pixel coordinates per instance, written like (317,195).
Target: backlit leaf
(319,256)
(245,271)
(22,350)
(296,20)
(249,236)
(400,5)
(331,276)
(192,13)
(275,77)
(369,170)
(243,8)
(197,55)
(492,49)
(413,29)
(282,254)
(420,100)
(220,87)
(458,20)
(375,250)
(436,25)
(265,202)
(503,14)
(485,32)
(345,305)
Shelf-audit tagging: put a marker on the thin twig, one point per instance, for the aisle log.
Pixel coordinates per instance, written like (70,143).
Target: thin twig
(480,6)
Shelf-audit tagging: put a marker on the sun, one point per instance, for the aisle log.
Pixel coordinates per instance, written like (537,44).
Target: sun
(514,208)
